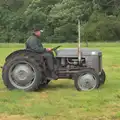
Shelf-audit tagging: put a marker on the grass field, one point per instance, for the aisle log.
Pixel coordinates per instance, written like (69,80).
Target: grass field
(60,100)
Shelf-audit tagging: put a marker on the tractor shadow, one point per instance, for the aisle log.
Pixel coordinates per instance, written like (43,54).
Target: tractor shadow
(53,86)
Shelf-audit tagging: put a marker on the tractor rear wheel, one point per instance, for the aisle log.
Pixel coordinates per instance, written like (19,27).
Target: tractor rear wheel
(86,79)
(22,73)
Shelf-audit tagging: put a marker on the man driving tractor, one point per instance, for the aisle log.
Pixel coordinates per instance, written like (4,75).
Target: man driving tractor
(34,43)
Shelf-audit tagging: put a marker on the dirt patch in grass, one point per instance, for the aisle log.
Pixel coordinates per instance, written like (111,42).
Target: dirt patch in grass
(14,117)
(40,95)
(44,95)
(115,66)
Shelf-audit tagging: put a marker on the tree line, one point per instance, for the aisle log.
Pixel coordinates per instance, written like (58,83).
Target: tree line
(100,20)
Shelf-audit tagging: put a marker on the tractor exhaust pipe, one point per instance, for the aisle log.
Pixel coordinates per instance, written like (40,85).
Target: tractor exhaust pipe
(79,38)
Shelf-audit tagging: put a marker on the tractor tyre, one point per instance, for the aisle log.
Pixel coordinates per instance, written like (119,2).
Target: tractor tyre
(23,73)
(102,77)
(86,80)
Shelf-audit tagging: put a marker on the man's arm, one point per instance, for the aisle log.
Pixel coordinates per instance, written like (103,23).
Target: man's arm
(40,47)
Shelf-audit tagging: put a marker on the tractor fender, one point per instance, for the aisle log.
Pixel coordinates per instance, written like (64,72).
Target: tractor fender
(17,52)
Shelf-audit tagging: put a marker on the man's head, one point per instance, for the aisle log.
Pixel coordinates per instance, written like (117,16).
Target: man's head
(37,31)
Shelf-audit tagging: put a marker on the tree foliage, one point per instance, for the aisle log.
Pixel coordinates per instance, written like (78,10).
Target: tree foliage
(58,18)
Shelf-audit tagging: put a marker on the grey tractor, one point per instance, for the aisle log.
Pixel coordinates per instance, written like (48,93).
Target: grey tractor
(27,70)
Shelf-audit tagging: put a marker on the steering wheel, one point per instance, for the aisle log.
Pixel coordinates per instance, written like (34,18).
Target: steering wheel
(54,49)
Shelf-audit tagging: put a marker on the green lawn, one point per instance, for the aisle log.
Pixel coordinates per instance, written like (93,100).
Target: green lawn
(60,100)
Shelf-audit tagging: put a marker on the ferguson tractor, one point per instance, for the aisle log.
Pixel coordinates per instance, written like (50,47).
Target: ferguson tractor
(27,70)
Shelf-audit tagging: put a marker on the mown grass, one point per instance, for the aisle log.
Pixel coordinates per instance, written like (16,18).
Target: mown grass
(60,100)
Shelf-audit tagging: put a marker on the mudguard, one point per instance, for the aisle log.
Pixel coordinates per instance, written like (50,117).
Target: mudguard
(18,52)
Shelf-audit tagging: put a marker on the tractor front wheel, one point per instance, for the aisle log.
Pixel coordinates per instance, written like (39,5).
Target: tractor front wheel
(86,79)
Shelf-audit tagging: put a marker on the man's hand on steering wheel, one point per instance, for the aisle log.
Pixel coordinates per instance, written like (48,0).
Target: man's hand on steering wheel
(52,49)
(48,49)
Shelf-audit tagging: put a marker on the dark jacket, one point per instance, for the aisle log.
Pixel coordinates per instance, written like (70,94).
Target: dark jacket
(33,43)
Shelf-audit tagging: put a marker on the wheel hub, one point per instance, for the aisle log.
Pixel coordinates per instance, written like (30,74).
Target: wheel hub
(22,74)
(87,82)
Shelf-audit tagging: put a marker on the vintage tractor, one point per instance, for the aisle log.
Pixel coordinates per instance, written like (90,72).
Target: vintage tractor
(27,70)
